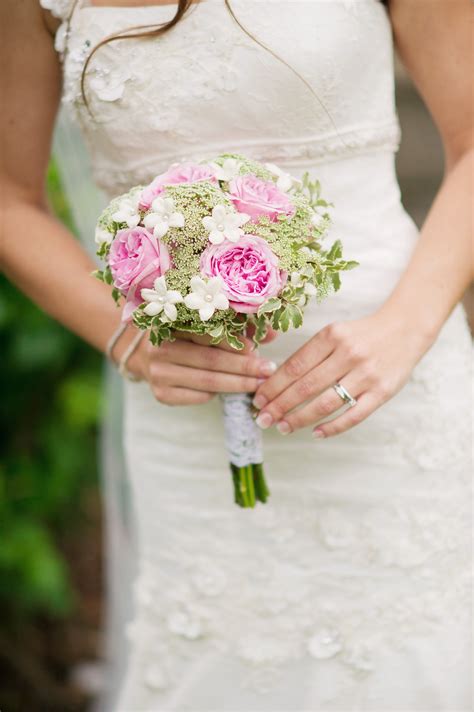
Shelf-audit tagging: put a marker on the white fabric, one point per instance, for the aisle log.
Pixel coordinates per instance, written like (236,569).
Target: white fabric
(349,589)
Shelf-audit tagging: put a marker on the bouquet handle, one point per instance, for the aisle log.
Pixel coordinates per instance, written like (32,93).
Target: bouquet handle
(244,444)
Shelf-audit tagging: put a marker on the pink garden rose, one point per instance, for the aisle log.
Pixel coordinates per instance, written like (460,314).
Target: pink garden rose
(249,269)
(180,173)
(259,198)
(136,259)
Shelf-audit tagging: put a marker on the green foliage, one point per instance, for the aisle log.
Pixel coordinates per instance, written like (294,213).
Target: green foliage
(49,382)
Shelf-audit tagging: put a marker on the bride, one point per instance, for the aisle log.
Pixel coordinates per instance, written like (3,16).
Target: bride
(349,589)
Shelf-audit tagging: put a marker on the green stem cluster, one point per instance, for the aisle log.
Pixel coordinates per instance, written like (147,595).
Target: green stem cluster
(249,484)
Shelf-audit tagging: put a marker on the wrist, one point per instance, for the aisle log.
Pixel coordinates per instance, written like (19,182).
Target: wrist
(413,319)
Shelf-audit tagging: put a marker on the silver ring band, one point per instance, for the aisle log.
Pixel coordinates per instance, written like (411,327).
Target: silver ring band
(344,395)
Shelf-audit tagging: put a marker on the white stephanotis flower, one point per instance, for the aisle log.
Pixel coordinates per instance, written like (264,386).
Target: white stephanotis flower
(161,299)
(285,181)
(224,224)
(229,169)
(102,236)
(163,216)
(127,212)
(206,296)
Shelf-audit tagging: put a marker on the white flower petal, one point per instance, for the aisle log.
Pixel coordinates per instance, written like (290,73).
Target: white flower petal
(194,301)
(158,205)
(310,289)
(149,295)
(216,237)
(161,228)
(206,311)
(198,285)
(214,285)
(133,220)
(102,236)
(240,218)
(234,234)
(220,301)
(176,220)
(170,311)
(219,213)
(168,204)
(173,297)
(160,286)
(150,220)
(208,222)
(153,308)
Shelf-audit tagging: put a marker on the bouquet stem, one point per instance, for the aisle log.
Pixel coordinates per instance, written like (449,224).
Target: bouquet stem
(249,484)
(244,445)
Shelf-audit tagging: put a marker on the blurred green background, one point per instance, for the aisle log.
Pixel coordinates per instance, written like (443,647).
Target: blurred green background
(50,386)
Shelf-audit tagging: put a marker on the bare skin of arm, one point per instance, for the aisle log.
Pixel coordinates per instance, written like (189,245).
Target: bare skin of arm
(44,260)
(373,357)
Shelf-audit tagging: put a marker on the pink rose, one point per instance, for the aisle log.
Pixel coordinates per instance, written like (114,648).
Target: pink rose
(249,269)
(180,173)
(136,259)
(258,197)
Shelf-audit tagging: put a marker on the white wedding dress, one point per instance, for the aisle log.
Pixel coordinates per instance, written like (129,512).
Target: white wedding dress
(350,589)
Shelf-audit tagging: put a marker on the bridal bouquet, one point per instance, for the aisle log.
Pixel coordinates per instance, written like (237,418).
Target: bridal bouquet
(221,248)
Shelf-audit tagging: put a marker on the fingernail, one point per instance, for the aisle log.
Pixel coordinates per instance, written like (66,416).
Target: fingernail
(267,368)
(283,427)
(259,401)
(264,420)
(261,380)
(318,434)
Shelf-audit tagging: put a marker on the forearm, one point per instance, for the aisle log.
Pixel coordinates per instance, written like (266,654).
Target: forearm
(44,260)
(441,267)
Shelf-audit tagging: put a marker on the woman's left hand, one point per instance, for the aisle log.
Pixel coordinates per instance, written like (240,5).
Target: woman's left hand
(372,358)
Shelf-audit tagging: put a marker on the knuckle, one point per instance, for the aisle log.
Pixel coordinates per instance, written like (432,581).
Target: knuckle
(335,332)
(294,367)
(250,366)
(326,405)
(208,381)
(354,417)
(249,385)
(356,352)
(304,388)
(213,357)
(278,410)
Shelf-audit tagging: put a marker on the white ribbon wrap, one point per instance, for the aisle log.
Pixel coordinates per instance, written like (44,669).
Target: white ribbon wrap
(243,437)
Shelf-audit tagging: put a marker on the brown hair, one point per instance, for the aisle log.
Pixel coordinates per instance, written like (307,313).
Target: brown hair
(151,31)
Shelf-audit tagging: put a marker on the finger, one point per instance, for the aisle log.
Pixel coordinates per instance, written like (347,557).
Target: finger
(366,404)
(186,353)
(314,352)
(174,375)
(310,385)
(325,405)
(181,396)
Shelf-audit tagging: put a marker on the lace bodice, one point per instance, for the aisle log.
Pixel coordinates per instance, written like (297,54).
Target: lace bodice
(182,95)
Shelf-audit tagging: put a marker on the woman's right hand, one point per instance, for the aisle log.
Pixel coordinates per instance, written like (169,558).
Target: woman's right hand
(189,371)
